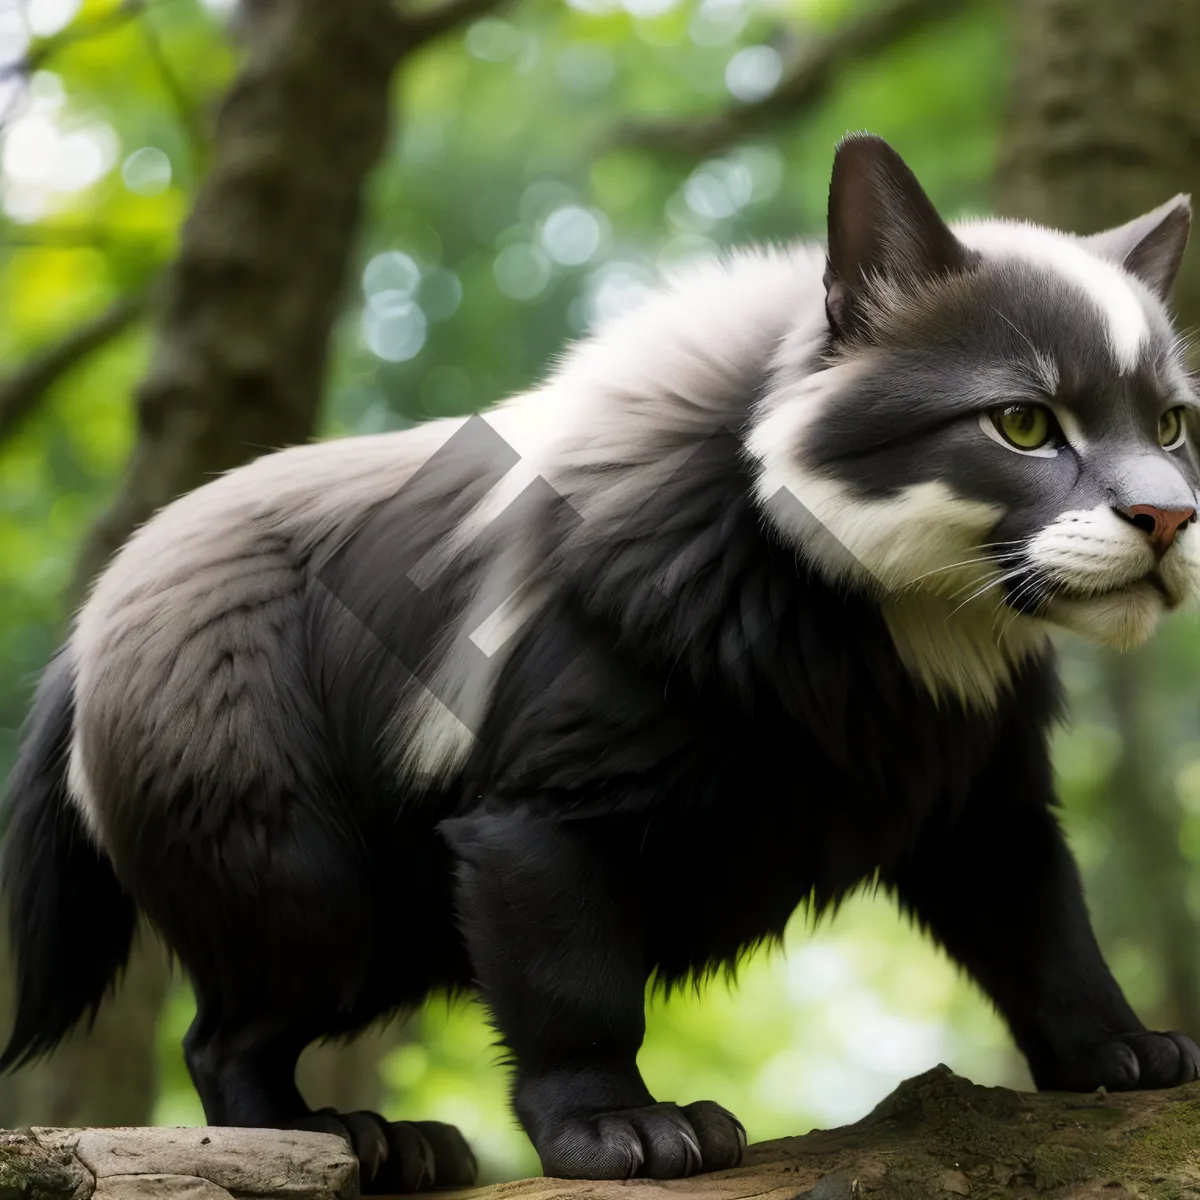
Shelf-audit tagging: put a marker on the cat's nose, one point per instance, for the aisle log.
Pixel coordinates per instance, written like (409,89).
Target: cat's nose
(1160,525)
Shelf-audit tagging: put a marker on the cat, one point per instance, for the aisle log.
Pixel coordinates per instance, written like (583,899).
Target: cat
(748,603)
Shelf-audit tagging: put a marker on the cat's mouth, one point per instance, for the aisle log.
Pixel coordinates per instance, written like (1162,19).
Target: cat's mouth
(1152,579)
(1121,617)
(1156,581)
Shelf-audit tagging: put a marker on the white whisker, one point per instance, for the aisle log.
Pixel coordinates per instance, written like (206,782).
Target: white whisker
(966,562)
(987,586)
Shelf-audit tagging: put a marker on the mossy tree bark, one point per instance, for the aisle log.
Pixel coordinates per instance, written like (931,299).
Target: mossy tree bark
(1102,124)
(1102,121)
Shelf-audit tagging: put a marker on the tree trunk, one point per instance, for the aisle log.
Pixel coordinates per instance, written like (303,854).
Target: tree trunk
(238,367)
(1102,125)
(1102,121)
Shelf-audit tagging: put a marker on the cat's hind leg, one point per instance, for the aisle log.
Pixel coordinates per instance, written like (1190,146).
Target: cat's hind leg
(281,933)
(552,919)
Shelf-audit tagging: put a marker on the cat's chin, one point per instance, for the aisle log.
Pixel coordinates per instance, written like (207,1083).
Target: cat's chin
(1119,619)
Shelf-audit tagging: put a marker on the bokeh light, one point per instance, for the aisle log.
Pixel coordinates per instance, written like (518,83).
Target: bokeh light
(522,271)
(754,72)
(147,171)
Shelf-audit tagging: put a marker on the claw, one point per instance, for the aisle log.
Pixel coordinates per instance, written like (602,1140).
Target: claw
(663,1141)
(694,1159)
(400,1156)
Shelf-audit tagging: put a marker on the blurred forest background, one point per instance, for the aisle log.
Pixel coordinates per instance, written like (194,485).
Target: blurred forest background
(402,214)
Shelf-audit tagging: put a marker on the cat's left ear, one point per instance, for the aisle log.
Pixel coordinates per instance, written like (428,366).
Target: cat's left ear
(882,227)
(1150,246)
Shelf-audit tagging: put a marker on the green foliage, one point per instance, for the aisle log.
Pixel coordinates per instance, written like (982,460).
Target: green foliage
(500,223)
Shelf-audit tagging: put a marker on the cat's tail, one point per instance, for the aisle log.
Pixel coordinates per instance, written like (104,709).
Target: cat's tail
(70,923)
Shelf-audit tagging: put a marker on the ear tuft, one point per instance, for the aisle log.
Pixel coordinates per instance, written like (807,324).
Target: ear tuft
(880,223)
(1151,246)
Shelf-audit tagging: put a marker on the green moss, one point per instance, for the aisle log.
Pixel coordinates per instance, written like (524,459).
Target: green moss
(1143,1157)
(1056,1165)
(1098,1116)
(31,1172)
(1171,1140)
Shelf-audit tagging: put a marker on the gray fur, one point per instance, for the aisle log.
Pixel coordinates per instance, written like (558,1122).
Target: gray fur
(349,591)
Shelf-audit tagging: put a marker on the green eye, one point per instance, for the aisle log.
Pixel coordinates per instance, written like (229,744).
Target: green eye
(1170,428)
(1026,426)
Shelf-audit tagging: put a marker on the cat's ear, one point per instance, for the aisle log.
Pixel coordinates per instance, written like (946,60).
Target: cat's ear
(881,223)
(1150,246)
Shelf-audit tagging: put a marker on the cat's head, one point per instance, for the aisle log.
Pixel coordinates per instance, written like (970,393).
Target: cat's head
(1002,418)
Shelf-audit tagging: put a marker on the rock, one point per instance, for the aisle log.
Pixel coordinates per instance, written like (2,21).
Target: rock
(936,1136)
(29,1168)
(158,1187)
(239,1162)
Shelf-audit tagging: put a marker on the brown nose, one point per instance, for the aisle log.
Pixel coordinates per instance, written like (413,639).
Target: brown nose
(1160,525)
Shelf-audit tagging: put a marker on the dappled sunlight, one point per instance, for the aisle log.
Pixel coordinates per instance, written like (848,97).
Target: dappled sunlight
(544,169)
(47,153)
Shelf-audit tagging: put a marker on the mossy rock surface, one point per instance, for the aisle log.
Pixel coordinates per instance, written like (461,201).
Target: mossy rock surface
(937,1136)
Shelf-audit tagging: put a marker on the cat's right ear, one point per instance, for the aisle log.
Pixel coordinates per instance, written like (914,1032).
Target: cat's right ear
(1150,246)
(881,224)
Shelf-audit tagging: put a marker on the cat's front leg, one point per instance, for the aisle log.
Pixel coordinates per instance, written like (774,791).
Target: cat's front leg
(996,884)
(552,918)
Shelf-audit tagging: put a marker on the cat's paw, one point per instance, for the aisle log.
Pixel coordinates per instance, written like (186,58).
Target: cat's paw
(399,1156)
(657,1141)
(1125,1063)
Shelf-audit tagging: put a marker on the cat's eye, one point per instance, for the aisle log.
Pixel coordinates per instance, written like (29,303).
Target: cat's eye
(1171,429)
(1024,426)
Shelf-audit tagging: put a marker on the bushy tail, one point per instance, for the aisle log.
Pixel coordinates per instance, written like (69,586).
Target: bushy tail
(71,924)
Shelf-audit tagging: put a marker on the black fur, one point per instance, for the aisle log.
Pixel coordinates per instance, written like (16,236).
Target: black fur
(695,735)
(70,923)
(663,778)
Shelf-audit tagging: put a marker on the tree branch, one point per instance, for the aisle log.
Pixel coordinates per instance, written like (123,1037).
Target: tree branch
(96,237)
(418,28)
(809,80)
(21,391)
(185,107)
(78,31)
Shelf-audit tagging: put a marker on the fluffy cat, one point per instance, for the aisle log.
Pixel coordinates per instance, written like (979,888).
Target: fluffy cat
(745,605)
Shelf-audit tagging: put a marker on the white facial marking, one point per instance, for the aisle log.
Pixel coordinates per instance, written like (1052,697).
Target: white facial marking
(1180,568)
(1072,430)
(1105,284)
(1090,551)
(1046,370)
(1095,566)
(886,544)
(1121,620)
(919,551)
(966,651)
